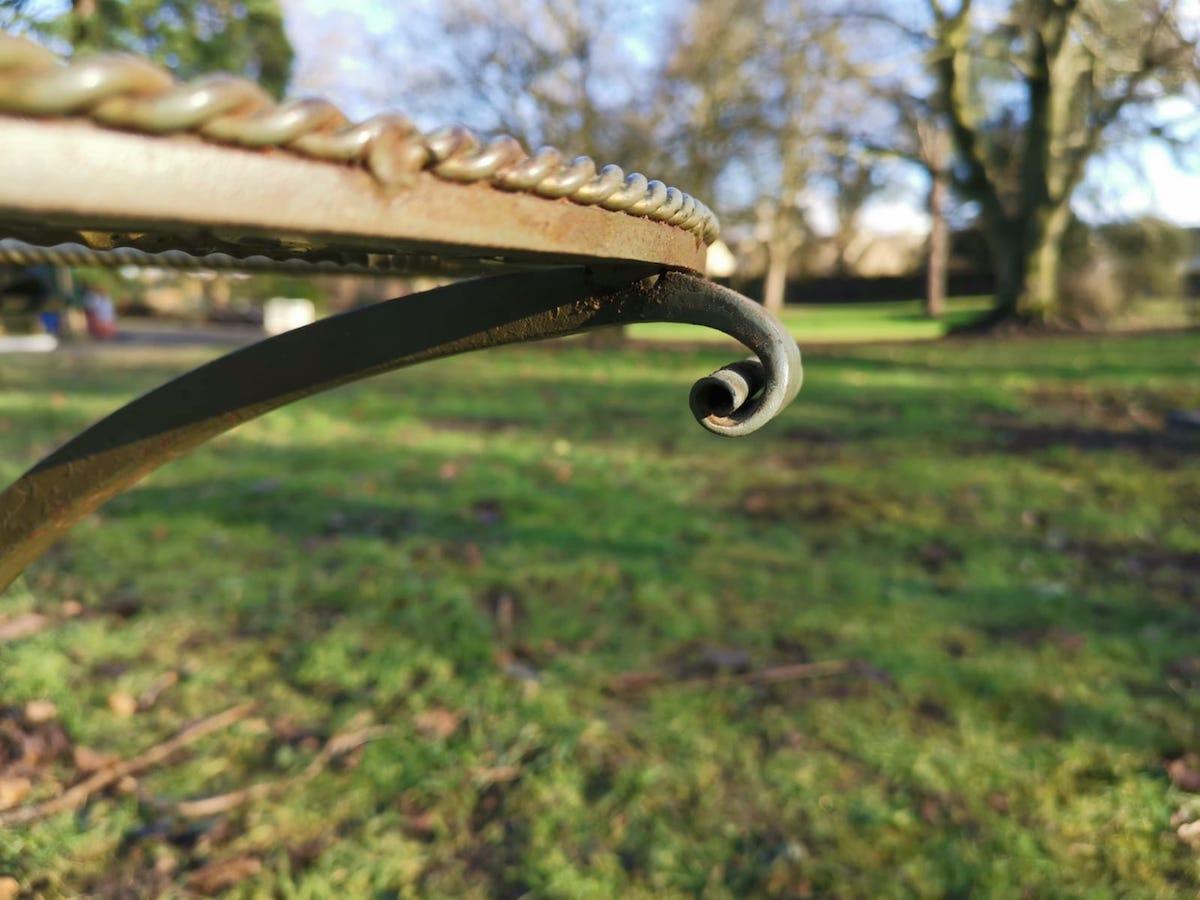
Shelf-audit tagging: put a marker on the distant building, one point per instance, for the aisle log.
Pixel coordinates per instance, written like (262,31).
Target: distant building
(720,262)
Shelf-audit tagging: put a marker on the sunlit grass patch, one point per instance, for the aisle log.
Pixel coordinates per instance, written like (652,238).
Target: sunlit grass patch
(1000,539)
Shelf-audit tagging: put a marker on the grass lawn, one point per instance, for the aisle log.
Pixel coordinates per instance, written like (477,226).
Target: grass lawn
(842,323)
(559,595)
(848,323)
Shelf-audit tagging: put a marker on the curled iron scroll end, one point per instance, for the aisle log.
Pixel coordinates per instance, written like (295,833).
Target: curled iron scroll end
(733,401)
(725,400)
(742,397)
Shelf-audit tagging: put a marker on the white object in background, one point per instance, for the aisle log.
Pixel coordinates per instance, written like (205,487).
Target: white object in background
(720,262)
(28,343)
(282,314)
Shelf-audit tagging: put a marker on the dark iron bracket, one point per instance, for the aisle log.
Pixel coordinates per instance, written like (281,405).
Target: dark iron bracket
(166,423)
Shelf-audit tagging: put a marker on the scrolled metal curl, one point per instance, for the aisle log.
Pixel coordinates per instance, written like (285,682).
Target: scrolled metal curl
(124,91)
(743,396)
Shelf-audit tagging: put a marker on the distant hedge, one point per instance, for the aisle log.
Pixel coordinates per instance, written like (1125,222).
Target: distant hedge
(848,289)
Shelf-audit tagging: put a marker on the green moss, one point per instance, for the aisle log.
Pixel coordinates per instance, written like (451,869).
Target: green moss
(1002,533)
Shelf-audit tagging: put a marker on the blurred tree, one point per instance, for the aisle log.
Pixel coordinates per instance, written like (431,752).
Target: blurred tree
(754,88)
(910,129)
(855,176)
(548,72)
(1111,268)
(14,14)
(710,85)
(730,98)
(1031,91)
(933,151)
(189,36)
(545,71)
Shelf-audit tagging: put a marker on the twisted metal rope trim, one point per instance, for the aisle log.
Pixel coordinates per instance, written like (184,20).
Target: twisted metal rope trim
(19,253)
(128,92)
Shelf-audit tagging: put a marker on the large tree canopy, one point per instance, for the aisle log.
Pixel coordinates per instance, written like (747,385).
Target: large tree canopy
(1034,90)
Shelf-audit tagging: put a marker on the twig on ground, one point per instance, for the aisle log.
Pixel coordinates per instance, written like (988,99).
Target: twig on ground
(77,795)
(23,625)
(336,746)
(799,671)
(631,682)
(150,696)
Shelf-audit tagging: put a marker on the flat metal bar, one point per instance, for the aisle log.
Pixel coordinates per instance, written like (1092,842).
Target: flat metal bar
(170,421)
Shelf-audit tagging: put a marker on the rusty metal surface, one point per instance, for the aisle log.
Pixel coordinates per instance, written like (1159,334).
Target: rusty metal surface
(168,422)
(74,181)
(128,92)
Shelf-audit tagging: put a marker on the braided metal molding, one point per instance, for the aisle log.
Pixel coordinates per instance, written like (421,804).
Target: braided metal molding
(20,253)
(129,92)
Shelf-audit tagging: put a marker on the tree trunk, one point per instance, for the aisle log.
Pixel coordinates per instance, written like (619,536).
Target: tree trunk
(83,14)
(1008,265)
(1038,301)
(939,249)
(1028,267)
(775,284)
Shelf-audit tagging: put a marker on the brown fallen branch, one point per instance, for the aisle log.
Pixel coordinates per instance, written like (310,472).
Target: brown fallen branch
(336,746)
(150,696)
(631,682)
(77,795)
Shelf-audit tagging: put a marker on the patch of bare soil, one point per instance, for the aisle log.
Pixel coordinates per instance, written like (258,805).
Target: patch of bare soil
(1149,564)
(1184,674)
(1112,408)
(819,501)
(789,667)
(816,437)
(1168,449)
(35,752)
(477,425)
(1033,636)
(809,446)
(1085,418)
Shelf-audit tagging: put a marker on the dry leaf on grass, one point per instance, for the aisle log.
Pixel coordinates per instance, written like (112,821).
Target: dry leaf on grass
(89,760)
(21,626)
(1185,773)
(337,746)
(496,774)
(437,723)
(1189,833)
(150,696)
(224,873)
(27,748)
(39,711)
(13,790)
(78,794)
(123,703)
